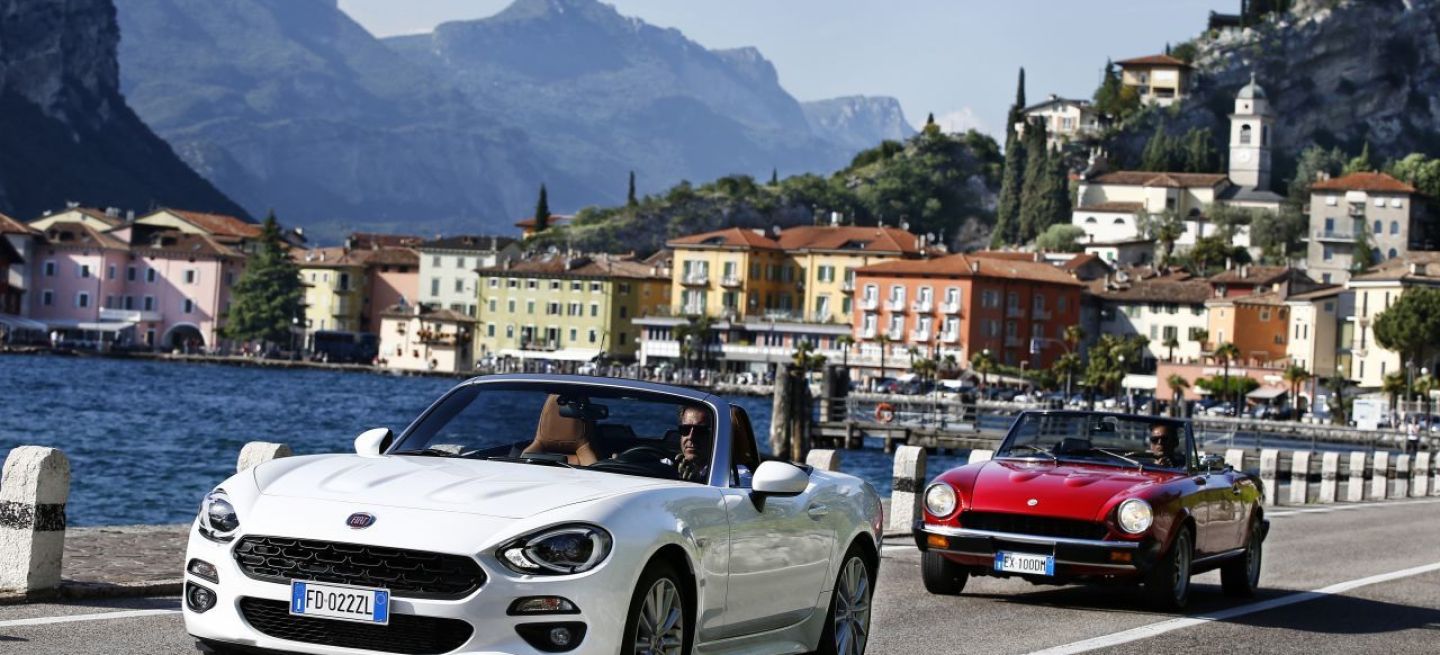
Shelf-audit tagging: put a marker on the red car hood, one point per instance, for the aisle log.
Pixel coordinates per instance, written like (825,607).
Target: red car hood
(1066,490)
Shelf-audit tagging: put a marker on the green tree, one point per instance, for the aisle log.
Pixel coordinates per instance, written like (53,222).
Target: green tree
(1313,161)
(774,177)
(1296,376)
(1280,235)
(1170,344)
(1411,326)
(1061,237)
(1364,255)
(846,343)
(1110,358)
(1361,163)
(1421,171)
(1065,367)
(1012,176)
(1035,194)
(266,300)
(630,199)
(1113,98)
(1199,152)
(1165,228)
(1159,150)
(1393,385)
(1226,353)
(1209,254)
(542,211)
(983,363)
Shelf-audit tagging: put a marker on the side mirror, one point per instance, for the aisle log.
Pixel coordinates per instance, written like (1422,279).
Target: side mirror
(779,479)
(371,443)
(1212,462)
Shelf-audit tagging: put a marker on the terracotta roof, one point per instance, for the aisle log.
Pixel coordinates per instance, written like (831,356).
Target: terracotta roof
(1152,179)
(1364,182)
(1153,60)
(75,233)
(363,240)
(1126,207)
(1414,266)
(332,257)
(734,237)
(392,257)
(1272,298)
(1079,261)
(1322,292)
(971,266)
(220,225)
(408,311)
(1248,274)
(180,243)
(468,242)
(555,219)
(838,237)
(597,266)
(11,226)
(1009,255)
(1144,285)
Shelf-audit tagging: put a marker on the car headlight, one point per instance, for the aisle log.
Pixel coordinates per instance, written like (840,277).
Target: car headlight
(558,551)
(940,500)
(1134,516)
(218,520)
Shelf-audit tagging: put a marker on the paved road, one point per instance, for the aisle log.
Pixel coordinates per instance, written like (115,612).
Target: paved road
(1347,578)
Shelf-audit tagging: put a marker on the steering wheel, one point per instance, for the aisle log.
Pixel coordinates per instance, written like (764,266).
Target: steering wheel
(642,454)
(646,461)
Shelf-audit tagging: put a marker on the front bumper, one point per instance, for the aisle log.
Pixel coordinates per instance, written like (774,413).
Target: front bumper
(601,595)
(1074,558)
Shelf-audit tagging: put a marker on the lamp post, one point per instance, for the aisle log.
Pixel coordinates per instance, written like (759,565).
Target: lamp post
(1123,390)
(985,369)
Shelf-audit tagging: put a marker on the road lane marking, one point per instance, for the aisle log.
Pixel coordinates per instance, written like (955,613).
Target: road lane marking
(75,618)
(1162,627)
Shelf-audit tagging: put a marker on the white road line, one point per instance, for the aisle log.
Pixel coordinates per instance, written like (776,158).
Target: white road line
(1162,627)
(75,618)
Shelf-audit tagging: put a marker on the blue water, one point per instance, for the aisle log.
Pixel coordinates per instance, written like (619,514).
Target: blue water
(147,439)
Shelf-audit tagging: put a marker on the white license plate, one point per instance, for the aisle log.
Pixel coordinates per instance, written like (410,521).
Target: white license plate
(1024,563)
(330,601)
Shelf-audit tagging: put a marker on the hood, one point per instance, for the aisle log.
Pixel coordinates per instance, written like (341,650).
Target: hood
(1066,490)
(500,489)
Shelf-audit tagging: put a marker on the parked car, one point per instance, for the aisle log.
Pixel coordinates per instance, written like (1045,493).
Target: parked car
(538,514)
(1076,497)
(1220,409)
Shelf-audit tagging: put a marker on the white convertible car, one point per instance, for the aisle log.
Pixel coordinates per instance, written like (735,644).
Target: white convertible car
(538,514)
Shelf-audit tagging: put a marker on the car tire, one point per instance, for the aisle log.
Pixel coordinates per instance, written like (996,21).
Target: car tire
(660,588)
(942,577)
(1240,577)
(207,647)
(1168,583)
(847,624)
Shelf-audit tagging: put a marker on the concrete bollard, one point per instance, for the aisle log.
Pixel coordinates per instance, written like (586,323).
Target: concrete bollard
(1420,486)
(980,455)
(34,487)
(1329,477)
(1235,459)
(1300,477)
(1401,489)
(1269,475)
(256,453)
(1380,476)
(907,489)
(1355,485)
(823,459)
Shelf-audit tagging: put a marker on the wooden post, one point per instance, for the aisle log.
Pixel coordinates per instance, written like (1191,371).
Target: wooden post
(780,416)
(802,408)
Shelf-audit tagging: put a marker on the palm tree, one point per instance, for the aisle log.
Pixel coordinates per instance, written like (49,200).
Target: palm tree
(1202,335)
(846,342)
(884,340)
(1178,385)
(1074,334)
(1227,352)
(1336,384)
(1394,385)
(983,362)
(1172,343)
(1067,365)
(693,335)
(1296,375)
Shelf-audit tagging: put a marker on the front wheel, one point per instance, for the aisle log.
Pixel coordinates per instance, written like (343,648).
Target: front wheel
(942,576)
(1240,577)
(847,627)
(656,624)
(1168,584)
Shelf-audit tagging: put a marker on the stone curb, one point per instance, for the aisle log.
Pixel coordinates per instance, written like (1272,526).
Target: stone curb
(70,590)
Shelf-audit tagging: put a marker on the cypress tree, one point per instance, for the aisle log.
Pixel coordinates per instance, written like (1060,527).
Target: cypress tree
(1012,177)
(630,200)
(1034,194)
(1157,152)
(1020,92)
(542,211)
(774,176)
(266,300)
(1057,206)
(1199,154)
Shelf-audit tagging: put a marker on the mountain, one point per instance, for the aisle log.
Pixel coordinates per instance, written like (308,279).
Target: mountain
(858,122)
(292,105)
(68,134)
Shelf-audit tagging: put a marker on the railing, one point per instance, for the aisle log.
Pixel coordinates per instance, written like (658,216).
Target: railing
(950,337)
(847,286)
(869,303)
(895,305)
(920,335)
(692,309)
(130,315)
(950,308)
(923,306)
(696,279)
(1040,314)
(896,334)
(1334,235)
(540,345)
(730,281)
(1014,312)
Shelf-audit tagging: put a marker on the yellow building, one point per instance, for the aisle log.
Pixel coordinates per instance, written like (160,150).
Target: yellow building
(567,308)
(804,274)
(1159,79)
(1375,291)
(334,281)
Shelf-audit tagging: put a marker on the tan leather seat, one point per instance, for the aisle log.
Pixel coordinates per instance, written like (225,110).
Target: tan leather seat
(558,435)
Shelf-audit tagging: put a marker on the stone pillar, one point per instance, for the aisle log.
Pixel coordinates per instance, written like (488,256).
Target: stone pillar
(1420,481)
(1355,485)
(1300,477)
(34,487)
(1235,459)
(1329,477)
(907,489)
(823,459)
(1401,489)
(1380,476)
(980,455)
(256,453)
(1270,474)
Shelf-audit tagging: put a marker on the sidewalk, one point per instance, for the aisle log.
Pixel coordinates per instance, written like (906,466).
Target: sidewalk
(141,560)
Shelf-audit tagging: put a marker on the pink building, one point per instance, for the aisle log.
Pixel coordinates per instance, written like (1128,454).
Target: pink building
(74,267)
(393,278)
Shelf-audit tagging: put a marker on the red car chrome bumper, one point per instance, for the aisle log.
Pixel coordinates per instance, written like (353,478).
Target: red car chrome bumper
(1073,557)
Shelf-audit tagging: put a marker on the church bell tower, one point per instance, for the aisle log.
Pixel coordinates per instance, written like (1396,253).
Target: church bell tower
(1251,133)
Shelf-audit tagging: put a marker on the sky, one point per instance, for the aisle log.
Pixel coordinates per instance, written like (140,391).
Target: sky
(957,59)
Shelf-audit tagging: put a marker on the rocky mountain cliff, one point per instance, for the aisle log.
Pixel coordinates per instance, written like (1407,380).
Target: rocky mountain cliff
(66,134)
(290,104)
(858,122)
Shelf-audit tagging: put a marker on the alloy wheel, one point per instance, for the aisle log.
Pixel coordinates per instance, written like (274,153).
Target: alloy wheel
(852,608)
(661,628)
(1252,559)
(1181,569)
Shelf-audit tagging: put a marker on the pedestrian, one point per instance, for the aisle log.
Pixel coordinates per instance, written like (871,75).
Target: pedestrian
(1412,437)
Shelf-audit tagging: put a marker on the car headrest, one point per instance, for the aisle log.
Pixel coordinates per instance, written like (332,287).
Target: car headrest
(557,433)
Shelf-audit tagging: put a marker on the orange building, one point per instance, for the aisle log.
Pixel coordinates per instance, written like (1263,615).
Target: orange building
(1257,324)
(964,304)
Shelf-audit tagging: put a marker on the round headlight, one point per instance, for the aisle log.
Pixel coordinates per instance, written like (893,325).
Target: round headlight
(218,516)
(561,551)
(1134,516)
(940,500)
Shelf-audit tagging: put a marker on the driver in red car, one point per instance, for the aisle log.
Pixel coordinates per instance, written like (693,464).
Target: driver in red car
(1165,446)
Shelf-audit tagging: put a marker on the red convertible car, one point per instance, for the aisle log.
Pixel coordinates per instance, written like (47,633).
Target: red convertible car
(1094,497)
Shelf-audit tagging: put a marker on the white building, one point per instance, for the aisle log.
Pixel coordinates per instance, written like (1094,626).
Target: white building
(448,265)
(1158,305)
(1065,119)
(1375,291)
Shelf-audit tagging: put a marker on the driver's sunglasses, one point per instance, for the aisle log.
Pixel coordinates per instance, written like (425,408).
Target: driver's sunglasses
(694,429)
(1157,438)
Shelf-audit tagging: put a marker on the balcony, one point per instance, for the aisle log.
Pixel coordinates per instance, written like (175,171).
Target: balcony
(1345,236)
(692,309)
(950,336)
(821,317)
(1040,314)
(896,334)
(923,306)
(1012,342)
(869,332)
(950,308)
(542,345)
(895,305)
(131,316)
(730,282)
(869,303)
(695,279)
(1357,210)
(920,335)
(847,286)
(1014,312)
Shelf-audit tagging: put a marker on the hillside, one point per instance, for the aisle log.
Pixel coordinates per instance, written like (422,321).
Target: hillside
(67,133)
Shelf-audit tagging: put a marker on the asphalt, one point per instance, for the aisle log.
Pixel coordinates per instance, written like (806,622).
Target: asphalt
(1376,567)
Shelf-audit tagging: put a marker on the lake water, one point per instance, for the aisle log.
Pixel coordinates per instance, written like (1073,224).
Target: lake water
(146,439)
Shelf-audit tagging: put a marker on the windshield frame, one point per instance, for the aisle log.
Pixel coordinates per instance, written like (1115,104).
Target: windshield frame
(719,458)
(1187,441)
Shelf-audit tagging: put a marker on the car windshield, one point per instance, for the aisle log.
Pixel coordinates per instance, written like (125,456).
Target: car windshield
(576,426)
(1101,438)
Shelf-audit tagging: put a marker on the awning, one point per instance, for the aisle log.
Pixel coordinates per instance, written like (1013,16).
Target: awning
(561,355)
(90,326)
(1267,393)
(20,323)
(1137,381)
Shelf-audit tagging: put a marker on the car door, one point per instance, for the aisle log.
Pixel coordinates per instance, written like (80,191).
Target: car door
(1209,511)
(780,548)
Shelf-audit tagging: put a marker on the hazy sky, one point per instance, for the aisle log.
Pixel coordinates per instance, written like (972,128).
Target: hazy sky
(956,58)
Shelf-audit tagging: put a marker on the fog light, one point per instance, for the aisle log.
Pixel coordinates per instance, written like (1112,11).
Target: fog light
(203,569)
(198,598)
(936,541)
(552,637)
(542,605)
(560,637)
(1120,556)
